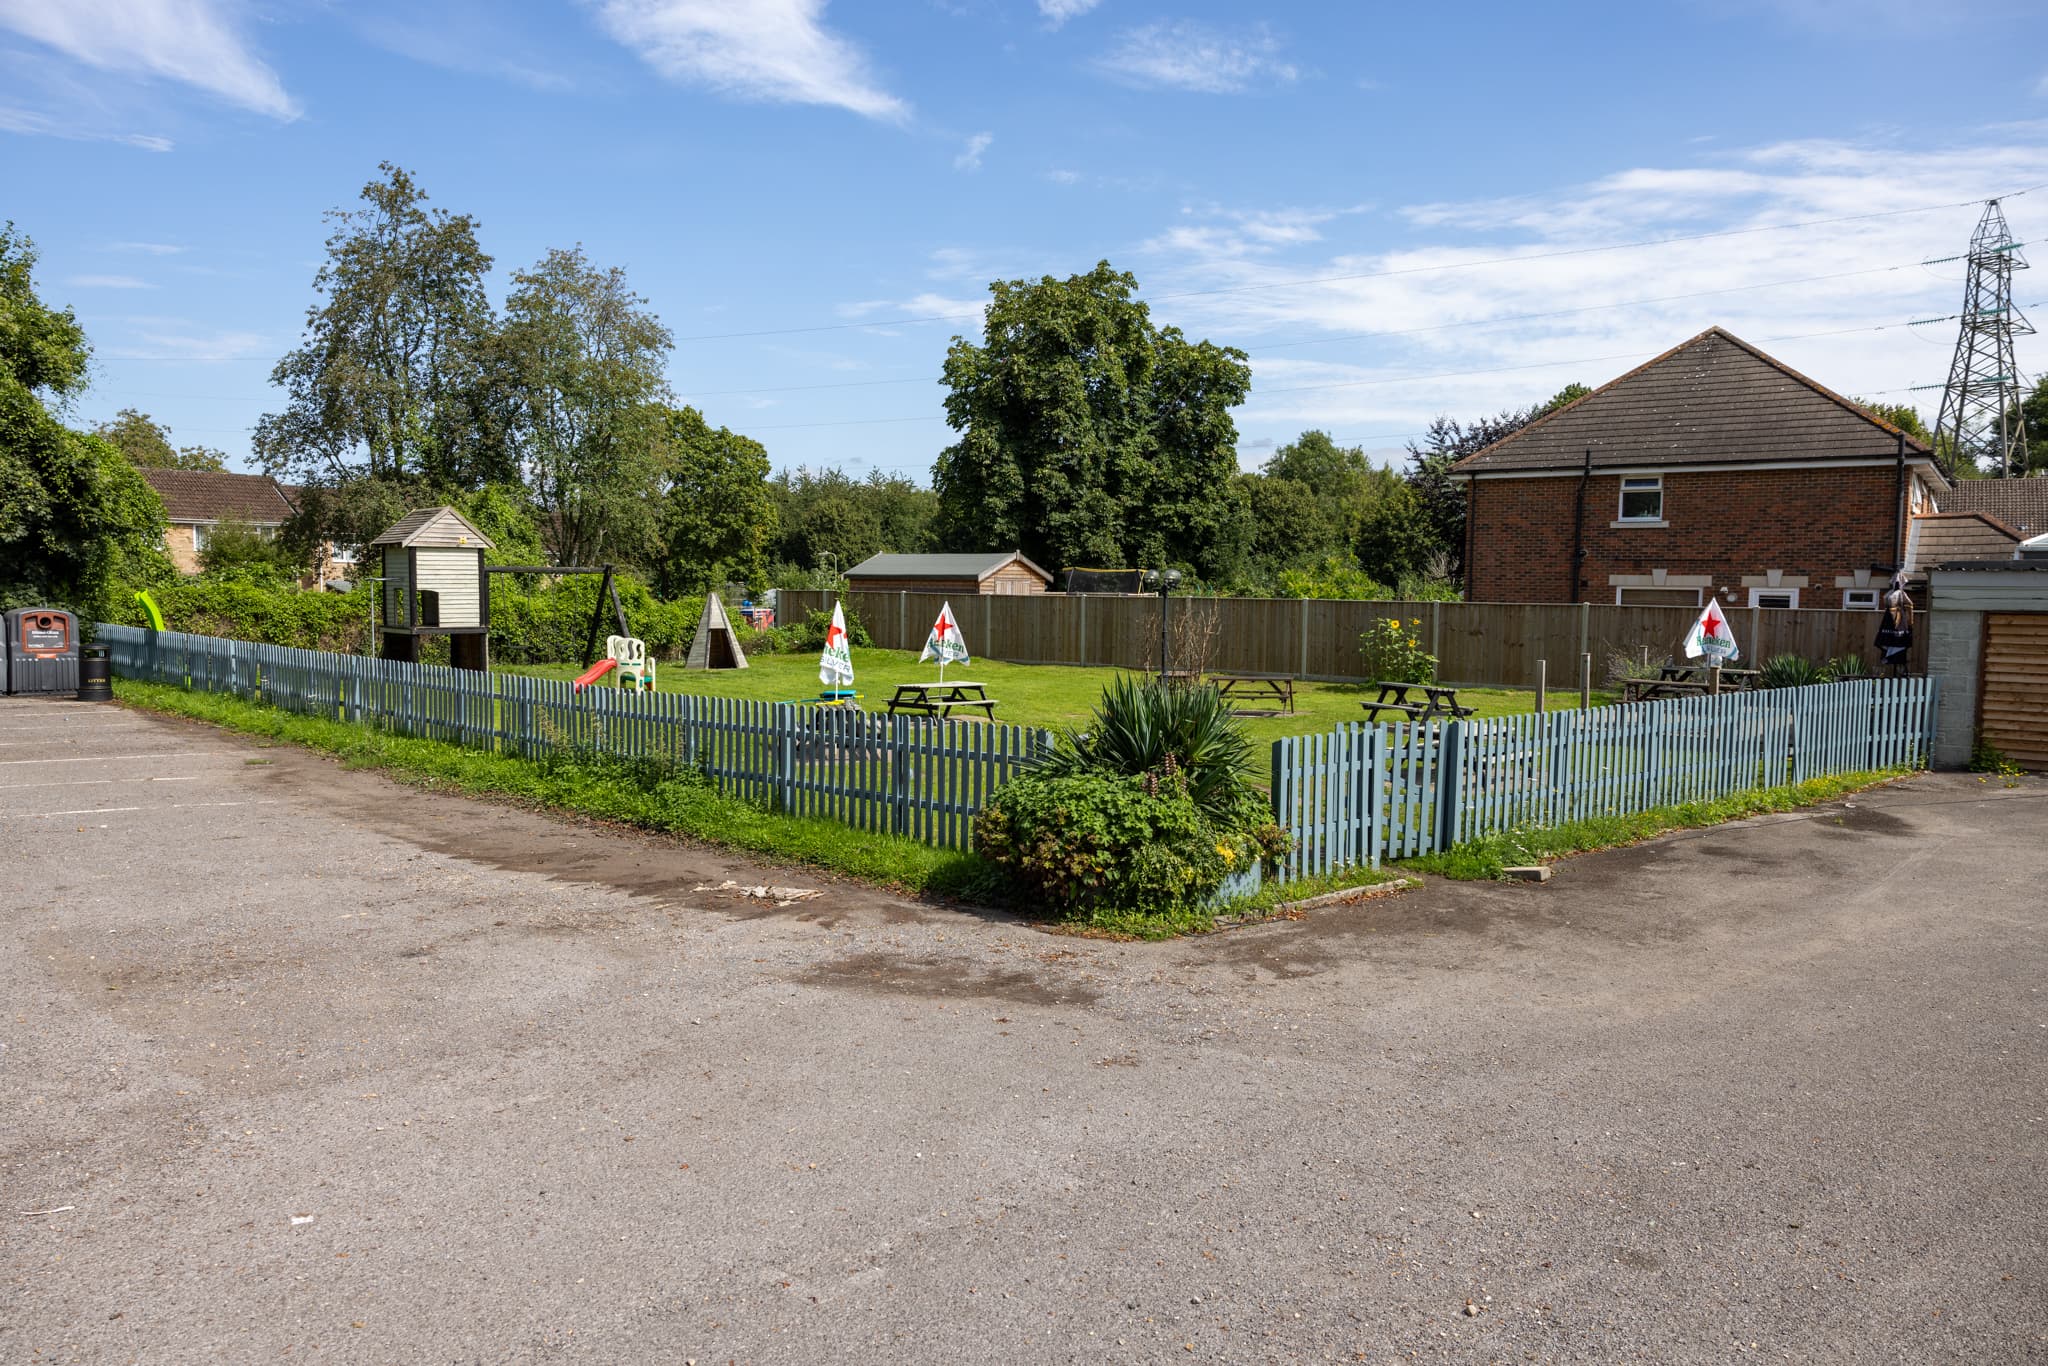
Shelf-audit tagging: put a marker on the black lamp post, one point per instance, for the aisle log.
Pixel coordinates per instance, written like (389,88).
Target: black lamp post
(1162,582)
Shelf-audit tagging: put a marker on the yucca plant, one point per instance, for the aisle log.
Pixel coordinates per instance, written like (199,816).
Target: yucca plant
(1845,670)
(1788,671)
(1145,727)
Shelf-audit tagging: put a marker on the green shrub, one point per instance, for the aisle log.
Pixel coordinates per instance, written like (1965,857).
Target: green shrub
(1089,842)
(1846,669)
(1392,652)
(550,624)
(238,608)
(801,637)
(1143,726)
(1789,671)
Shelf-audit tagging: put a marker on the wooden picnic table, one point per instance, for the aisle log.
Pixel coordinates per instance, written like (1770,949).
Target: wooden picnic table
(942,699)
(1437,701)
(1278,688)
(1686,680)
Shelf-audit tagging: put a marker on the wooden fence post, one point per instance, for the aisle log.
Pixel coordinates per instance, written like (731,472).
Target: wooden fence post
(1542,681)
(782,756)
(899,774)
(1586,681)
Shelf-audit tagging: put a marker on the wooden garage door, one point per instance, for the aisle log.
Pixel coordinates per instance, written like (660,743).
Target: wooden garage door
(2015,715)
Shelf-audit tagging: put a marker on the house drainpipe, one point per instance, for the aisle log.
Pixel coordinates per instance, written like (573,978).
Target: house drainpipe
(1579,529)
(1899,513)
(1471,534)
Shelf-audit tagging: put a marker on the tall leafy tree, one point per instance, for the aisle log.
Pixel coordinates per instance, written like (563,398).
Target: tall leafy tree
(77,521)
(1088,436)
(826,517)
(398,377)
(717,513)
(1439,498)
(147,444)
(586,358)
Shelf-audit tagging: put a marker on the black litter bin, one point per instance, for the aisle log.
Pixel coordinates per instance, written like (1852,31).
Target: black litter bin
(95,675)
(42,650)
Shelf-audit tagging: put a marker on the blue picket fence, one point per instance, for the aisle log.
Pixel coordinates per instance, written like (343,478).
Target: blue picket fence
(1363,792)
(901,775)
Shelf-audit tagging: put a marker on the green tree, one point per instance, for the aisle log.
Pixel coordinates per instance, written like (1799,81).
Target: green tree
(825,516)
(1292,526)
(147,444)
(238,552)
(77,521)
(717,513)
(1440,498)
(587,360)
(1088,436)
(1904,416)
(400,376)
(1313,459)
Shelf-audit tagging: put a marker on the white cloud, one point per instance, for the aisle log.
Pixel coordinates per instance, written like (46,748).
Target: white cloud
(476,39)
(774,50)
(1057,12)
(108,282)
(192,347)
(1187,55)
(42,125)
(192,41)
(146,248)
(970,155)
(1062,176)
(2041,86)
(1473,306)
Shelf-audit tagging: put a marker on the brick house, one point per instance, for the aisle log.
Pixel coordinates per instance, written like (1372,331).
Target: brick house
(196,501)
(994,572)
(1712,469)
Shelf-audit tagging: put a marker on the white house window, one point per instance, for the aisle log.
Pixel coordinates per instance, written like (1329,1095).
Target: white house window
(1773,597)
(342,554)
(1656,597)
(198,537)
(1642,498)
(1859,599)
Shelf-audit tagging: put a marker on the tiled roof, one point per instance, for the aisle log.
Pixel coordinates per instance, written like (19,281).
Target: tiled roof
(2021,504)
(976,566)
(1712,400)
(435,526)
(213,495)
(1943,536)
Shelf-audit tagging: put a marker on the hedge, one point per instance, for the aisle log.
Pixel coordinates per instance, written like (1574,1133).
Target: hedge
(545,626)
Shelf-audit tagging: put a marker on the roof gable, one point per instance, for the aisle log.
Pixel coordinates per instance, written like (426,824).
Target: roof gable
(1714,399)
(437,526)
(216,496)
(976,566)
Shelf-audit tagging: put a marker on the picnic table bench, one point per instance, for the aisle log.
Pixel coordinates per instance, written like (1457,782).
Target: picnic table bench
(1277,688)
(1685,680)
(941,699)
(1437,701)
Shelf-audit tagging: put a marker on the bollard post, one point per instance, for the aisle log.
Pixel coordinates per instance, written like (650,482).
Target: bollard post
(1714,679)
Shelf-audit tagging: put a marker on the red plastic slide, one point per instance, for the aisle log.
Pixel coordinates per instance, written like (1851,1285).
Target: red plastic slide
(593,673)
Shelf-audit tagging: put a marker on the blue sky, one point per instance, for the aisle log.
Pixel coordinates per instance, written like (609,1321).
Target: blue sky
(1372,199)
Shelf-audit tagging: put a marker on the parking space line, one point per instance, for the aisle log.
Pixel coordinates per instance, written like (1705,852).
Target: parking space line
(113,810)
(99,782)
(112,758)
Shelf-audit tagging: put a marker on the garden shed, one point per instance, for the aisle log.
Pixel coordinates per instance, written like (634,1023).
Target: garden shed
(432,562)
(987,572)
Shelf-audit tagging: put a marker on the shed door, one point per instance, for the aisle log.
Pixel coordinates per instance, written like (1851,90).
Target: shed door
(2014,719)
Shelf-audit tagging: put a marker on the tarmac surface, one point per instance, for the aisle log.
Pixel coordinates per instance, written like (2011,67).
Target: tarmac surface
(302,1064)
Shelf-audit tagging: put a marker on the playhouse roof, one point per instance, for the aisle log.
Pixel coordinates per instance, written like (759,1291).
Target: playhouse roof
(976,566)
(439,526)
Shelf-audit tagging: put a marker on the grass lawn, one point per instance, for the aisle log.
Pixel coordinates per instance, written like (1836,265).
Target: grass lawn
(1036,694)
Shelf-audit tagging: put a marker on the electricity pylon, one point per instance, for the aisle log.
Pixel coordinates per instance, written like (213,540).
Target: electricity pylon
(1980,409)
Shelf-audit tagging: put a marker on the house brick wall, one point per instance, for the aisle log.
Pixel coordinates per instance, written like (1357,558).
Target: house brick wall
(178,544)
(1725,524)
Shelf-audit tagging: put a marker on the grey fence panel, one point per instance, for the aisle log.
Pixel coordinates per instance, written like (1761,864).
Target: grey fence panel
(886,774)
(1403,789)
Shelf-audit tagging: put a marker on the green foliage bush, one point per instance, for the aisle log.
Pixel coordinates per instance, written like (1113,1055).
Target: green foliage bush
(804,637)
(1089,842)
(546,626)
(1392,652)
(1143,726)
(1789,671)
(1146,814)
